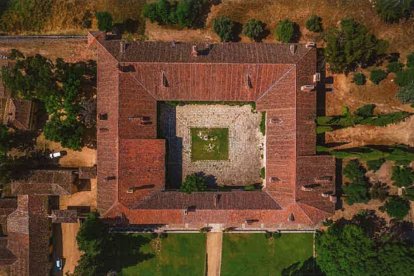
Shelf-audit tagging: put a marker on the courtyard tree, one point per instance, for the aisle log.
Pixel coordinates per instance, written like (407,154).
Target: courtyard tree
(223,27)
(104,21)
(286,31)
(351,45)
(314,24)
(193,183)
(397,207)
(254,29)
(392,11)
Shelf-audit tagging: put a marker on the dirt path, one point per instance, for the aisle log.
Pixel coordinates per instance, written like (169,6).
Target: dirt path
(71,253)
(214,244)
(402,133)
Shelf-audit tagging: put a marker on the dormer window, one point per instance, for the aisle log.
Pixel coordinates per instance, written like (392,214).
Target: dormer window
(103,116)
(249,83)
(273,179)
(164,80)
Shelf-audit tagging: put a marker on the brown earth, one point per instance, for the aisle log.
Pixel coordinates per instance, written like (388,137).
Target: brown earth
(214,248)
(71,253)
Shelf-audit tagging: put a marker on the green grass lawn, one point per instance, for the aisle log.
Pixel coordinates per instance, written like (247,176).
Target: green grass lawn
(177,254)
(253,254)
(209,144)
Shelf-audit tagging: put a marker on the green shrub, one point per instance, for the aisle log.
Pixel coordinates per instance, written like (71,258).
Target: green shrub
(223,27)
(397,207)
(254,29)
(359,78)
(405,77)
(385,119)
(377,75)
(409,194)
(263,123)
(356,192)
(286,31)
(354,171)
(406,94)
(350,46)
(249,188)
(400,154)
(392,11)
(193,183)
(394,67)
(263,172)
(402,176)
(375,165)
(323,129)
(314,24)
(365,110)
(410,60)
(104,21)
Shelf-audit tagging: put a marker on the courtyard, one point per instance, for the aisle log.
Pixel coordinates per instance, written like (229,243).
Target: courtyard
(221,141)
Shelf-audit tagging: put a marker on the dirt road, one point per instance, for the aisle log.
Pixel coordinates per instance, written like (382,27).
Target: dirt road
(214,245)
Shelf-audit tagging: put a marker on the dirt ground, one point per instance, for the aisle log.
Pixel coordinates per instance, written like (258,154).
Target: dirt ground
(214,248)
(71,253)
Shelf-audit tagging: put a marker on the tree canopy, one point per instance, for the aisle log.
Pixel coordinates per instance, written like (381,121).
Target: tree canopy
(406,93)
(193,183)
(286,31)
(402,176)
(351,45)
(397,207)
(392,11)
(357,189)
(254,29)
(104,21)
(223,27)
(314,24)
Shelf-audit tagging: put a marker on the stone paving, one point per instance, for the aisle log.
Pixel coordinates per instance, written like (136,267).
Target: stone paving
(245,142)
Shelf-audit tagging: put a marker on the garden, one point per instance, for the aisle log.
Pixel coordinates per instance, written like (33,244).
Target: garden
(209,144)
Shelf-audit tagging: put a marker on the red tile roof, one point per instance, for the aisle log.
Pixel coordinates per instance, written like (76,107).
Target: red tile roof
(131,158)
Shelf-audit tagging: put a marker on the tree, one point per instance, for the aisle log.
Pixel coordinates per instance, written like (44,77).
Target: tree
(365,110)
(402,176)
(223,27)
(91,235)
(359,78)
(286,31)
(392,11)
(397,207)
(377,75)
(188,12)
(150,11)
(314,24)
(254,29)
(193,183)
(357,189)
(104,21)
(379,191)
(410,60)
(350,46)
(406,93)
(68,132)
(394,258)
(375,165)
(354,171)
(394,67)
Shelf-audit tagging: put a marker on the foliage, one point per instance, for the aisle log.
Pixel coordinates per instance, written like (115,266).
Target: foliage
(392,11)
(314,24)
(263,173)
(357,189)
(27,15)
(286,31)
(350,46)
(402,176)
(62,87)
(104,21)
(263,123)
(379,191)
(193,183)
(188,12)
(359,78)
(397,207)
(91,235)
(410,60)
(405,77)
(375,165)
(394,67)
(223,27)
(323,129)
(365,110)
(254,29)
(406,93)
(377,75)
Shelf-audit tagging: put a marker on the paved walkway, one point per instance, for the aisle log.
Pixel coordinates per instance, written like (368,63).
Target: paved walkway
(214,245)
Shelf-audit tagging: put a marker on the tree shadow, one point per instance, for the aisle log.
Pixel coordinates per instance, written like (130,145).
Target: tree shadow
(128,26)
(308,268)
(236,31)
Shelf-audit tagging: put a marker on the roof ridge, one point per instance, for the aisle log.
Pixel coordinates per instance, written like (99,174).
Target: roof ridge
(146,90)
(276,82)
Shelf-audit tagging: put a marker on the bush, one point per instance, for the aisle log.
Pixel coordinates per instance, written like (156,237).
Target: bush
(410,60)
(392,11)
(104,21)
(254,29)
(394,67)
(405,77)
(397,207)
(406,94)
(263,172)
(402,176)
(375,165)
(351,46)
(359,78)
(286,31)
(223,27)
(365,110)
(193,183)
(377,75)
(314,24)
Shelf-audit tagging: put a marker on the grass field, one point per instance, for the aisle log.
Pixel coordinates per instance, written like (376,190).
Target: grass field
(209,144)
(175,255)
(253,254)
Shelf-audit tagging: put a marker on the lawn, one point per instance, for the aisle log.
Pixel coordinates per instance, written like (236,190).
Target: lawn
(177,254)
(253,254)
(209,144)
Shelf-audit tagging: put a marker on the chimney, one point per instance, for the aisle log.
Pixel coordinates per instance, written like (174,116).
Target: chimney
(194,51)
(122,47)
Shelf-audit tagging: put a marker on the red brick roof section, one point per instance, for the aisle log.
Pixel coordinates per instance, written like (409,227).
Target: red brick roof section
(141,169)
